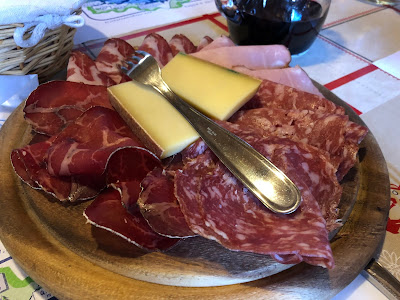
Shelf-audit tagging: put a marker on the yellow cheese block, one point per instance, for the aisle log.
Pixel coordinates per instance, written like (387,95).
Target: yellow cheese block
(215,91)
(161,128)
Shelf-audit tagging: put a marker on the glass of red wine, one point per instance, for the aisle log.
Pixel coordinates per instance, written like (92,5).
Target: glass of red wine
(293,23)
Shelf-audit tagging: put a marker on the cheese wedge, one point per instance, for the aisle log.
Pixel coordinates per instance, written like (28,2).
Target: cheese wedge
(160,127)
(215,91)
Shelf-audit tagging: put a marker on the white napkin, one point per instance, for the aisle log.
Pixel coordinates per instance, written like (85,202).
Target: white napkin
(41,14)
(14,90)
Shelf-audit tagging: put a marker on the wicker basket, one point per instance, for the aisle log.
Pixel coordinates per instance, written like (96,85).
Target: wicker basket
(48,57)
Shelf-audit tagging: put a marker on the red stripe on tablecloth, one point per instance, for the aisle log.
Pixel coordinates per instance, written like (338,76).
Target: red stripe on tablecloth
(350,77)
(218,23)
(364,13)
(355,109)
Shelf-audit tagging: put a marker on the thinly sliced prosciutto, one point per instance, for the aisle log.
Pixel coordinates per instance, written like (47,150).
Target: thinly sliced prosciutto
(206,40)
(222,41)
(81,68)
(54,105)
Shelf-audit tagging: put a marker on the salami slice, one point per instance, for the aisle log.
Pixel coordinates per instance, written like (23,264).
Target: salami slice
(55,104)
(206,40)
(107,212)
(275,95)
(159,206)
(111,57)
(81,68)
(180,43)
(158,47)
(217,207)
(222,41)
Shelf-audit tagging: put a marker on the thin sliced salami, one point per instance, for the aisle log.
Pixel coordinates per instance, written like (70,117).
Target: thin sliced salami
(180,43)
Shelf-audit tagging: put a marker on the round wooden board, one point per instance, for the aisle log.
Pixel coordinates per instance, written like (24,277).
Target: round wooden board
(76,261)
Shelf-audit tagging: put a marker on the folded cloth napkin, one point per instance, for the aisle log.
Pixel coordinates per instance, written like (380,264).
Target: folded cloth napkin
(13,90)
(40,14)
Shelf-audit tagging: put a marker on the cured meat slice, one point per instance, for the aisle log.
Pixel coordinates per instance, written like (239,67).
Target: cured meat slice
(85,146)
(274,95)
(55,104)
(28,163)
(217,207)
(126,169)
(206,40)
(322,130)
(107,212)
(180,43)
(158,47)
(111,57)
(222,41)
(251,57)
(81,68)
(159,206)
(294,77)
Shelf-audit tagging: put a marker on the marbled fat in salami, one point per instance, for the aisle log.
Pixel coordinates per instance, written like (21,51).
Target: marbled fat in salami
(81,68)
(274,95)
(216,206)
(158,47)
(159,206)
(107,212)
(55,104)
(111,57)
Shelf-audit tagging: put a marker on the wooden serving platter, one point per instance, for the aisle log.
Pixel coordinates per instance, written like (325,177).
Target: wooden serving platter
(74,260)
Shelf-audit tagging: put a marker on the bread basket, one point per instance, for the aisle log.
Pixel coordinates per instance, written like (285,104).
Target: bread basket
(46,58)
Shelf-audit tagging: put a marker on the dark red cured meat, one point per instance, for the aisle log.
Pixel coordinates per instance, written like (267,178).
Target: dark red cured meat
(85,146)
(28,163)
(275,95)
(81,68)
(180,43)
(158,47)
(107,212)
(126,169)
(159,206)
(205,41)
(217,207)
(111,57)
(55,104)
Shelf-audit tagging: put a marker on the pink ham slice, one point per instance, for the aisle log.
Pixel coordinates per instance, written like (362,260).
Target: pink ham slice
(274,95)
(217,207)
(107,212)
(111,57)
(294,77)
(251,57)
(180,43)
(83,148)
(159,205)
(55,104)
(158,47)
(222,41)
(81,68)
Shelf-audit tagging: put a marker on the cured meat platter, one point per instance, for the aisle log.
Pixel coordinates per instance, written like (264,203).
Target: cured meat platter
(71,259)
